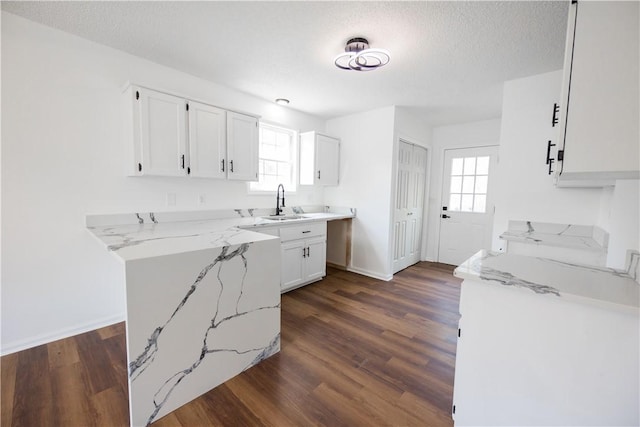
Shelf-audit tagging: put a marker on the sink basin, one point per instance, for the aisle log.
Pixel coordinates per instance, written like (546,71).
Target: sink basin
(282,217)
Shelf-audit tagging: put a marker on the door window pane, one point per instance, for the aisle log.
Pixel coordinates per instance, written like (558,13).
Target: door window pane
(469,165)
(469,184)
(480,203)
(467,203)
(482,165)
(481,184)
(456,166)
(456,184)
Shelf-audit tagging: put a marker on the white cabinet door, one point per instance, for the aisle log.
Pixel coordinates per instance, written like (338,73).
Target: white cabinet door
(327,160)
(319,159)
(162,133)
(600,93)
(207,141)
(292,264)
(315,258)
(242,147)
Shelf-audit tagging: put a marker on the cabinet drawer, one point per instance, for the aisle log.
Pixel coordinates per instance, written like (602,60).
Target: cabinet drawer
(303,231)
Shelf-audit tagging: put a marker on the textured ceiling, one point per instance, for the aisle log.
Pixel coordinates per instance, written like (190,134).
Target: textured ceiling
(448,59)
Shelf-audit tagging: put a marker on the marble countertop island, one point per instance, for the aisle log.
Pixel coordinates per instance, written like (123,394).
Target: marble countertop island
(600,285)
(146,235)
(202,298)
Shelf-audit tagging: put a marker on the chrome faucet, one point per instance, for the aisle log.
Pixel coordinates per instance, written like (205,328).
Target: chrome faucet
(278,198)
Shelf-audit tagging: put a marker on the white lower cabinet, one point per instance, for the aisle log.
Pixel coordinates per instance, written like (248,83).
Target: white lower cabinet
(304,252)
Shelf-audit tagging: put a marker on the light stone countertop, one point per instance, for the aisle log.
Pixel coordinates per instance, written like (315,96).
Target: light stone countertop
(557,279)
(146,235)
(589,238)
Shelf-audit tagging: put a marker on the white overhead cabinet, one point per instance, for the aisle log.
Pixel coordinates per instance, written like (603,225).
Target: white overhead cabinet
(319,159)
(207,141)
(599,112)
(172,136)
(242,147)
(159,133)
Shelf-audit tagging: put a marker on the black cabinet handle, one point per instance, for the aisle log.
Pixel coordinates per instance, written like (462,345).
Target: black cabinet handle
(304,253)
(182,161)
(308,254)
(306,231)
(549,145)
(222,165)
(231,166)
(318,174)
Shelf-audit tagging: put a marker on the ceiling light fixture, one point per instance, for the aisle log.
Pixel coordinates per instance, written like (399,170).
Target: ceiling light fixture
(282,101)
(358,56)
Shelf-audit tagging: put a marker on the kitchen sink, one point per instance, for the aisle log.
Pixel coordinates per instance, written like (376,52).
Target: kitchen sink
(283,217)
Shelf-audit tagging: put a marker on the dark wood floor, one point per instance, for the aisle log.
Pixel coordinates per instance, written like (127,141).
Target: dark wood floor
(355,352)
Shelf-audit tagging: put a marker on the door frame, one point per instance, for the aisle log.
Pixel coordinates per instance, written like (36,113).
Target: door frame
(441,196)
(399,137)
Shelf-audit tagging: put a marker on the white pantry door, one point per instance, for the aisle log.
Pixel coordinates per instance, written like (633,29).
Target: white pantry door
(466,215)
(408,209)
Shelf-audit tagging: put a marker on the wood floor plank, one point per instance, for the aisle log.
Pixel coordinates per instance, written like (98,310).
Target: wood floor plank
(355,351)
(8,367)
(74,407)
(33,398)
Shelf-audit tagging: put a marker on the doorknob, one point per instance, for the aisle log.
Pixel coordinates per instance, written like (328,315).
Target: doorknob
(445,216)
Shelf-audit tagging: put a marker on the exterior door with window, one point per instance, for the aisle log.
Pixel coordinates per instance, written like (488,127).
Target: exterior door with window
(466,216)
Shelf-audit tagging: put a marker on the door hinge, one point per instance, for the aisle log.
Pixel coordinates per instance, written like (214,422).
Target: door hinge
(137,95)
(560,155)
(139,167)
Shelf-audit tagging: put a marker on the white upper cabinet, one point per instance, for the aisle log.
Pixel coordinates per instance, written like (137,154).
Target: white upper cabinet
(242,147)
(599,111)
(169,135)
(319,159)
(207,141)
(160,132)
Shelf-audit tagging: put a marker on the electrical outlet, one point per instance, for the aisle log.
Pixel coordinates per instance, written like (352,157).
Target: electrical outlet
(171,199)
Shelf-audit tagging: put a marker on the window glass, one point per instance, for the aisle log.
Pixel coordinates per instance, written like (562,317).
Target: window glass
(469,184)
(277,159)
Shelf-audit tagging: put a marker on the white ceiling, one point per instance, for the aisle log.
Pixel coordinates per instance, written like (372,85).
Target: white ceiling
(448,59)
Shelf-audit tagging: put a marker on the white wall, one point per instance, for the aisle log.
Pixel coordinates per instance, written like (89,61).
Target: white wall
(474,134)
(366,153)
(525,191)
(62,157)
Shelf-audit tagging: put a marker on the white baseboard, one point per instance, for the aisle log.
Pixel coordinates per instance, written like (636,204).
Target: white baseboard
(46,338)
(368,273)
